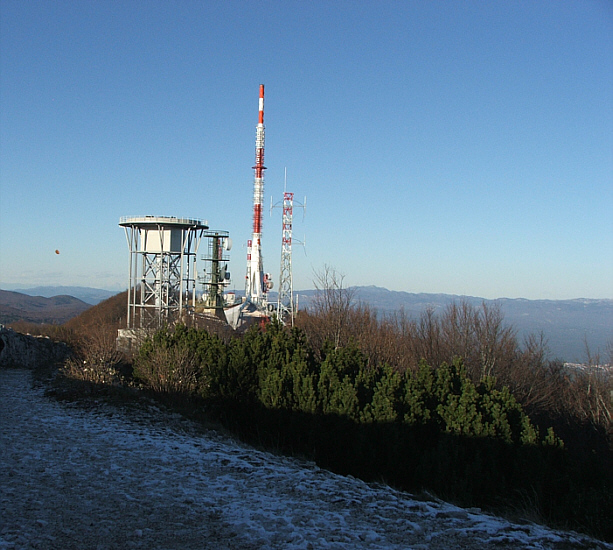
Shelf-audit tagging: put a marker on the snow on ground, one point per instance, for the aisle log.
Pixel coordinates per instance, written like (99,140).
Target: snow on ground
(106,478)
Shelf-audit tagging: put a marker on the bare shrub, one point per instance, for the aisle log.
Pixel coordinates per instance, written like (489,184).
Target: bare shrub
(95,358)
(588,396)
(487,346)
(586,392)
(428,338)
(479,335)
(171,369)
(535,381)
(404,350)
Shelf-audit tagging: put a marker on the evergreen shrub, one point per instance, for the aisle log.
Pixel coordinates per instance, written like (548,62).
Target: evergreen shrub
(432,428)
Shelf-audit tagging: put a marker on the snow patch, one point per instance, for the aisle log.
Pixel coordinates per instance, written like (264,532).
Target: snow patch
(111,478)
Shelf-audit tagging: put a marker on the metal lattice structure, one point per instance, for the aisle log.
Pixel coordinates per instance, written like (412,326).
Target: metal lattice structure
(162,269)
(285,301)
(216,274)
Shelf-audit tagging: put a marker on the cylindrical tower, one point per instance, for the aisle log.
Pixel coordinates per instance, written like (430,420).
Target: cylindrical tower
(162,268)
(216,275)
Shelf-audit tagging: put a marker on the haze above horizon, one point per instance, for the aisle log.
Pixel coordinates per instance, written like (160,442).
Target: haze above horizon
(444,147)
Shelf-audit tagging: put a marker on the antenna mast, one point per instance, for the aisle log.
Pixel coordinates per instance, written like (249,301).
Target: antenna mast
(258,282)
(285,301)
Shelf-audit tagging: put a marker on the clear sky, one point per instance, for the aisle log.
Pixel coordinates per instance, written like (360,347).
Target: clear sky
(443,146)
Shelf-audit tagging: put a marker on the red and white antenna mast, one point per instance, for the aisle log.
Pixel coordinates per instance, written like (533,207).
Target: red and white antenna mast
(258,282)
(285,302)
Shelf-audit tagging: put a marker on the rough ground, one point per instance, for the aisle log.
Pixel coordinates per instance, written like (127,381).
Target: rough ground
(107,478)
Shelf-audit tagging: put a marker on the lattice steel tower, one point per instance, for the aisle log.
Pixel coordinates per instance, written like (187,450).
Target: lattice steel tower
(285,301)
(162,268)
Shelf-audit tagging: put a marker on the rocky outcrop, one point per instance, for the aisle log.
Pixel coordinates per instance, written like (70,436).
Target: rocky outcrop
(25,351)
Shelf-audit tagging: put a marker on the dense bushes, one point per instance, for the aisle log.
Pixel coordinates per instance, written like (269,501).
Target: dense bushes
(277,369)
(386,397)
(425,428)
(577,403)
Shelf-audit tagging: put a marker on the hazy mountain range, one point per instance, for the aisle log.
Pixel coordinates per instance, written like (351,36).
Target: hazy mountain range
(88,295)
(567,325)
(15,306)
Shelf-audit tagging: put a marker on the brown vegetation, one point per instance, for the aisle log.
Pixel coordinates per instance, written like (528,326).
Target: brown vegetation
(95,358)
(479,335)
(338,336)
(110,312)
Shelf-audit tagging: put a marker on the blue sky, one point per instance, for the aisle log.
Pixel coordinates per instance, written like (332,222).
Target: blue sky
(453,147)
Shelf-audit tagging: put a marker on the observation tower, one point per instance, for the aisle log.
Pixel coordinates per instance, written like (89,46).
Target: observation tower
(162,268)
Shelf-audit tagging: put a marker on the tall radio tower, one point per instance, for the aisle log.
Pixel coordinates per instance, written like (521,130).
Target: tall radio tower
(285,304)
(285,301)
(258,282)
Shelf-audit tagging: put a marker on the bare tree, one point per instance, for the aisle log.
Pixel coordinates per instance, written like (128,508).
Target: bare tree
(332,306)
(429,337)
(589,392)
(497,342)
(536,382)
(478,335)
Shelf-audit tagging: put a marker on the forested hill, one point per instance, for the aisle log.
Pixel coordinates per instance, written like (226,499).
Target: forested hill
(15,306)
(88,295)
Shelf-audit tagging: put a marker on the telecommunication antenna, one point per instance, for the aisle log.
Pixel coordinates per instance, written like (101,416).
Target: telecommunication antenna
(258,283)
(285,302)
(216,275)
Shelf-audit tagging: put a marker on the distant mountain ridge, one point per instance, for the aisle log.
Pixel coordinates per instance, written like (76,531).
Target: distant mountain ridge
(15,306)
(566,324)
(89,295)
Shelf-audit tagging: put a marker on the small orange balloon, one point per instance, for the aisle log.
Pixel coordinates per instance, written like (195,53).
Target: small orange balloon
(57,251)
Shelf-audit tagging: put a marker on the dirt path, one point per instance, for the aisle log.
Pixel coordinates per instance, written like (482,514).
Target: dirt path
(107,479)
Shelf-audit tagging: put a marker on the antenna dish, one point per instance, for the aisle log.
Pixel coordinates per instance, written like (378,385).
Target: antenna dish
(227,244)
